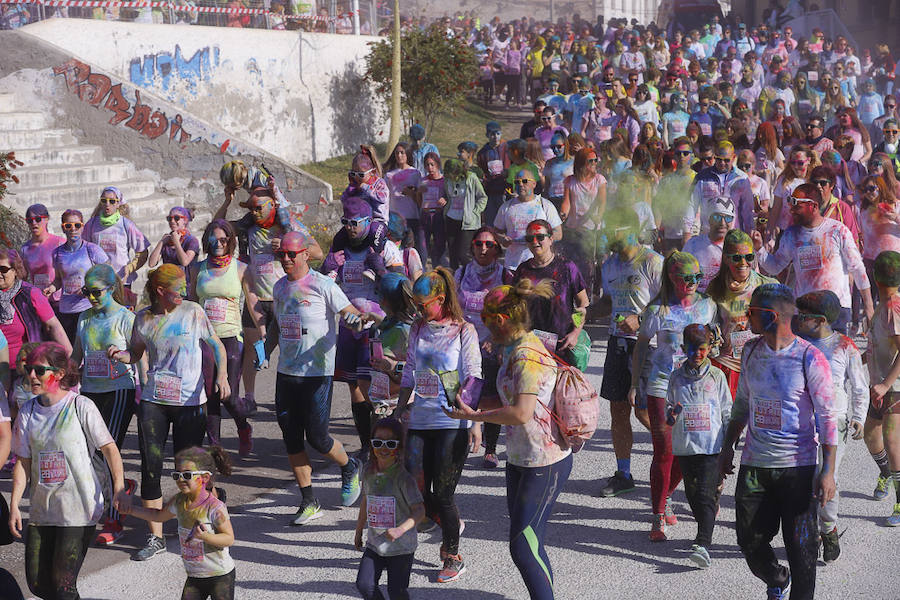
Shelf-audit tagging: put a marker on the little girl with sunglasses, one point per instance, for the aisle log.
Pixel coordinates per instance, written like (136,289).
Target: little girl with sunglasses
(204,528)
(391,507)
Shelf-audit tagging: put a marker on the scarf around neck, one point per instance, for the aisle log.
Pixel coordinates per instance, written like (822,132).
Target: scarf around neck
(7,312)
(112,219)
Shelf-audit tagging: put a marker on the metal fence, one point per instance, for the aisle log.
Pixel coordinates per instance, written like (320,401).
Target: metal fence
(325,16)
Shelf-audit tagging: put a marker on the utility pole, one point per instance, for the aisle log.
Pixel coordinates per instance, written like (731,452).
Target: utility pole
(395,82)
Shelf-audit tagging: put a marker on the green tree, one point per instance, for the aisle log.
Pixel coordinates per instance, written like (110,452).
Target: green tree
(436,73)
(13,231)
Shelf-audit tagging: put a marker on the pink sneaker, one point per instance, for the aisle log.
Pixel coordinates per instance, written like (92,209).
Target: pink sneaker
(245,440)
(112,531)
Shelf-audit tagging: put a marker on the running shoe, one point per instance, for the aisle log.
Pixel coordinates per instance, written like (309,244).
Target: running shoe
(671,519)
(881,487)
(779,593)
(658,531)
(427,525)
(620,483)
(700,557)
(110,533)
(350,485)
(894,519)
(453,568)
(245,440)
(247,406)
(490,461)
(155,545)
(307,512)
(831,546)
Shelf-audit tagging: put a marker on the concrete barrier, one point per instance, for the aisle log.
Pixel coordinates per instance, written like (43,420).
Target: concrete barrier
(299,96)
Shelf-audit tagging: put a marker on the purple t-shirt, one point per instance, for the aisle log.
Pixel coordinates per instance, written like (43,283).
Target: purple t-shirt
(70,266)
(117,241)
(553,315)
(39,260)
(188,243)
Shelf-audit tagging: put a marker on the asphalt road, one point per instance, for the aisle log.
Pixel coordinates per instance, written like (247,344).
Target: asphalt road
(598,547)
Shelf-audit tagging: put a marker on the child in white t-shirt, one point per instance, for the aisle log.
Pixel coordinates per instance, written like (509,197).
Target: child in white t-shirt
(204,528)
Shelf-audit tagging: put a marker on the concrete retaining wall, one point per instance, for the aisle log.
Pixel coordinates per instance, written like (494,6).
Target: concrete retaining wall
(299,96)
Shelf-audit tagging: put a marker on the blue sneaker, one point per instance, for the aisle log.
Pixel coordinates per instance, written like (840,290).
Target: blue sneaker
(894,519)
(881,487)
(350,487)
(779,593)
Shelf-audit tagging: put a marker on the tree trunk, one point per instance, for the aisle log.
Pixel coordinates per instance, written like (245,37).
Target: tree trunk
(395,82)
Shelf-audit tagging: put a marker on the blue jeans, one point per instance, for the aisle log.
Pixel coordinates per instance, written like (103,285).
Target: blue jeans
(531,493)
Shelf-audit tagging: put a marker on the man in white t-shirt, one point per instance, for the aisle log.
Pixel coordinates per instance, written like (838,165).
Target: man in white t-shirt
(306,304)
(822,252)
(707,248)
(516,213)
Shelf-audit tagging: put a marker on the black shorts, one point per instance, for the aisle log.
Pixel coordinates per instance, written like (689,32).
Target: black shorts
(266,308)
(617,371)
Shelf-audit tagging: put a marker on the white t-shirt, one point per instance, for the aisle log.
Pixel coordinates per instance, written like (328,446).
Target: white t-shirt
(513,217)
(173,345)
(306,311)
(708,254)
(397,180)
(60,441)
(631,285)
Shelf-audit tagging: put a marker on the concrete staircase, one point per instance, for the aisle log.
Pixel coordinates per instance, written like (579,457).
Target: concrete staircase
(62,174)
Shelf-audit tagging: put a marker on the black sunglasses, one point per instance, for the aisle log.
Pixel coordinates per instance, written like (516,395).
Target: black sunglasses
(484,244)
(540,237)
(736,258)
(92,292)
(4,269)
(39,370)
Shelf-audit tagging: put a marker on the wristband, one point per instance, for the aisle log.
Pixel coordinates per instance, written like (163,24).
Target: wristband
(398,368)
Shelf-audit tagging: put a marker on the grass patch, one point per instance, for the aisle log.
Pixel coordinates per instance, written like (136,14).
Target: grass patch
(466,123)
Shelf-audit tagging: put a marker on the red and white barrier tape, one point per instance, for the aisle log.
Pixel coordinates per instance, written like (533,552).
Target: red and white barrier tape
(186,8)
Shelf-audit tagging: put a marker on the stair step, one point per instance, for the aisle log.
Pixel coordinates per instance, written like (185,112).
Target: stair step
(7,102)
(82,197)
(93,174)
(23,139)
(61,155)
(22,120)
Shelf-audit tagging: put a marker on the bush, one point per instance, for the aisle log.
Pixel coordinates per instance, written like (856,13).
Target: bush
(436,73)
(13,230)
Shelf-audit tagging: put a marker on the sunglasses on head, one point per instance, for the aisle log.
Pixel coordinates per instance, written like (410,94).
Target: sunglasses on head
(736,258)
(188,475)
(39,370)
(484,244)
(33,220)
(291,254)
(359,222)
(389,444)
(109,200)
(795,201)
(72,226)
(92,292)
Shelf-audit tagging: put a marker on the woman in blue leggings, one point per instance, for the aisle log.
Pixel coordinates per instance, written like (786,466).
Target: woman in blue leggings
(537,465)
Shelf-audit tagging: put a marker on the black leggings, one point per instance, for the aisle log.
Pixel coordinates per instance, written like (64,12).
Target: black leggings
(234,350)
(53,558)
(435,457)
(69,322)
(373,565)
(303,406)
(220,587)
(700,473)
(117,409)
(188,428)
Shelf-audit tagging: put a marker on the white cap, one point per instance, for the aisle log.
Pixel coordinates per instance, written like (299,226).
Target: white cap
(723,205)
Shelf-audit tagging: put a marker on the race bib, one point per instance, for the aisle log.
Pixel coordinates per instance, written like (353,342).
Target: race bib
(265,264)
(381,511)
(167,388)
(810,257)
(549,339)
(72,285)
(431,196)
(557,189)
(812,76)
(215,309)
(554,65)
(352,271)
(696,417)
(738,340)
(191,550)
(428,384)
(475,301)
(53,468)
(705,128)
(677,127)
(291,327)
(582,68)
(380,386)
(495,167)
(107,243)
(96,364)
(41,280)
(767,413)
(457,203)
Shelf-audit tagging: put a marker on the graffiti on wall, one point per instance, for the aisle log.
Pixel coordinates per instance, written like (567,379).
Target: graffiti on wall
(163,69)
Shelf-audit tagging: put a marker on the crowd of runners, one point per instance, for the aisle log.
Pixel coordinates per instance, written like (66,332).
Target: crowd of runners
(727,196)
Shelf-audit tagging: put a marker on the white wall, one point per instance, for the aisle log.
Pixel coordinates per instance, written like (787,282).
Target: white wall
(296,95)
